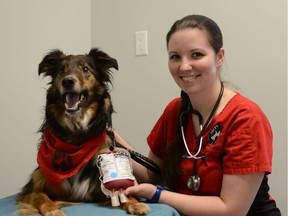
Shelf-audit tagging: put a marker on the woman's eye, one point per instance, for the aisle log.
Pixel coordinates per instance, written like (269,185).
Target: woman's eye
(174,57)
(197,55)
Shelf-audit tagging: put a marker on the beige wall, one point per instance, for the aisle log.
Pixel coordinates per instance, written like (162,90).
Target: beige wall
(255,42)
(29,29)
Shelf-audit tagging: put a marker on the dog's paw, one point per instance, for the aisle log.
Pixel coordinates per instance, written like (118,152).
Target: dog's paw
(137,208)
(56,212)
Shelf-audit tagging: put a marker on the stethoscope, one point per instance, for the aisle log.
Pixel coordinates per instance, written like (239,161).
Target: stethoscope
(194,180)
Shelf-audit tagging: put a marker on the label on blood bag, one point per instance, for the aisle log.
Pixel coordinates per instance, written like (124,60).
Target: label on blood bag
(115,165)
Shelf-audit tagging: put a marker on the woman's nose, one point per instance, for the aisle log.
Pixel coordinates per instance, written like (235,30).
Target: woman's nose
(185,65)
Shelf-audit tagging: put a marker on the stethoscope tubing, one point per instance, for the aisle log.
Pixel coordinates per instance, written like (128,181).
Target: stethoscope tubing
(199,140)
(202,128)
(195,157)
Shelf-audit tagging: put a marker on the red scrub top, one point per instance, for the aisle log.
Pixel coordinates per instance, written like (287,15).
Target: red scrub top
(237,141)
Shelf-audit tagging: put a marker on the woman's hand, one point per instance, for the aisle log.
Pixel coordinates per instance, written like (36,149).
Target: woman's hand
(144,190)
(237,195)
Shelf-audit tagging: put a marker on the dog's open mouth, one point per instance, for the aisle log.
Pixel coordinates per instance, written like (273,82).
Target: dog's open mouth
(74,101)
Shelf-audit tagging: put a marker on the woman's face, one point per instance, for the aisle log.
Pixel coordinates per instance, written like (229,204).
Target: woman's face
(193,63)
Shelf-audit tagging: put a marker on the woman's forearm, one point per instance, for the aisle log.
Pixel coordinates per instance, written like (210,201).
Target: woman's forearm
(140,172)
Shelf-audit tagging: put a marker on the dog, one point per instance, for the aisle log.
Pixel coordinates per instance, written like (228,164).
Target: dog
(77,114)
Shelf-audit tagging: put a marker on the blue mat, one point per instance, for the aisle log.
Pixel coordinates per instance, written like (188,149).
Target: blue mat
(9,208)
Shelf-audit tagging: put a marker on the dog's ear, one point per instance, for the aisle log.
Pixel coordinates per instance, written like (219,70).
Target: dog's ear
(51,63)
(103,59)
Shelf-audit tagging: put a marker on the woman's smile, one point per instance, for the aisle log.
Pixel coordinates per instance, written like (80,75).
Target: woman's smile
(189,78)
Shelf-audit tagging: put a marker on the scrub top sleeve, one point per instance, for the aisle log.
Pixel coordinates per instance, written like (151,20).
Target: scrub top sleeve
(248,148)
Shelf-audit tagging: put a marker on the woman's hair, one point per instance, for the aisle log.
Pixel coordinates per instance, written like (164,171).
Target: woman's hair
(174,151)
(200,22)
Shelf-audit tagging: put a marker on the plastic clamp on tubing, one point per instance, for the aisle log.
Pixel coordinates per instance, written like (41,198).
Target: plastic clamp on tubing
(156,196)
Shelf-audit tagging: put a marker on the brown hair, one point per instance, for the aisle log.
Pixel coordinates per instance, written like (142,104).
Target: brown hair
(201,22)
(173,154)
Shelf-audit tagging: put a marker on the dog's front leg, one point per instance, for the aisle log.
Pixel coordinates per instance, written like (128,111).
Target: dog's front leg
(49,208)
(41,203)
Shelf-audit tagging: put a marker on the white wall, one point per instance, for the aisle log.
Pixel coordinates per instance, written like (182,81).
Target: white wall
(29,29)
(255,41)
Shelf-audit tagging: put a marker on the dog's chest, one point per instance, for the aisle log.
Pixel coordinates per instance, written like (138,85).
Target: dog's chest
(84,185)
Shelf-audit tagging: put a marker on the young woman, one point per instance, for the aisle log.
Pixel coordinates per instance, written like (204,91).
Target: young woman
(214,146)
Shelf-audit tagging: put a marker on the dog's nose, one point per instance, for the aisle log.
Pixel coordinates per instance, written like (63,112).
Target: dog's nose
(68,82)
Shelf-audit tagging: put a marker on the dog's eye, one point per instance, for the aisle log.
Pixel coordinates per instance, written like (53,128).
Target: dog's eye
(85,69)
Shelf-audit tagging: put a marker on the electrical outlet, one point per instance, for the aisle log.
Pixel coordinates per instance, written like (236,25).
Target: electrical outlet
(141,43)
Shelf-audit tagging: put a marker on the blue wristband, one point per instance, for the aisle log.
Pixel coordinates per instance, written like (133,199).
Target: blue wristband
(156,196)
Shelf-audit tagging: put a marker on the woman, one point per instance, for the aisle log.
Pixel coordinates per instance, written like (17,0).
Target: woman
(214,146)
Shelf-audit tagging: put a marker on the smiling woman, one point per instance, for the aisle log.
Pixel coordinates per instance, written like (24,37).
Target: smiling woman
(231,153)
(193,60)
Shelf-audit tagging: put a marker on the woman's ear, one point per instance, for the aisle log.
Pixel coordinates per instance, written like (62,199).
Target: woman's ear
(220,57)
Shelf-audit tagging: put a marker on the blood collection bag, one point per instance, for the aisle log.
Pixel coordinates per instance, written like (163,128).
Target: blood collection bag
(115,173)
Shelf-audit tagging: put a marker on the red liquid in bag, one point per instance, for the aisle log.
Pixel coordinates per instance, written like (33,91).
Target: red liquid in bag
(118,185)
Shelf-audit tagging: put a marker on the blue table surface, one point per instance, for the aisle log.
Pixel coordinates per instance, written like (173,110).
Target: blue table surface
(9,208)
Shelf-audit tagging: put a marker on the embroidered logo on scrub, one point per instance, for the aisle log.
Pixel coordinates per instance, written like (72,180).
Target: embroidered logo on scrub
(214,133)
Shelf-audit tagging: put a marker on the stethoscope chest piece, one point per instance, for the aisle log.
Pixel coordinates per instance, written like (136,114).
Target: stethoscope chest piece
(193,182)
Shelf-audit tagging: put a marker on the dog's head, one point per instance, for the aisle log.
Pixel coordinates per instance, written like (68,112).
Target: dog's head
(78,97)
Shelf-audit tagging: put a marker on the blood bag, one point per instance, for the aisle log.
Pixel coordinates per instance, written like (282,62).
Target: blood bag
(115,173)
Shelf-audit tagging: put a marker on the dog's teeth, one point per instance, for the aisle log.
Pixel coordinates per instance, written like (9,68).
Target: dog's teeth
(82,97)
(73,101)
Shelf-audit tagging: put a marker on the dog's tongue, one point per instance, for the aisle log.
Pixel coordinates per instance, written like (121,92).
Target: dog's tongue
(72,99)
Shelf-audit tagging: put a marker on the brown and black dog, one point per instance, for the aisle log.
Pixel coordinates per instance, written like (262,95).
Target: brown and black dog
(77,113)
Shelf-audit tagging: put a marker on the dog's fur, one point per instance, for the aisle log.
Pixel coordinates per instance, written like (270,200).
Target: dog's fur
(87,78)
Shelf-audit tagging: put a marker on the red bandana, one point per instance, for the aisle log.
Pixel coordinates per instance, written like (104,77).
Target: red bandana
(59,160)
